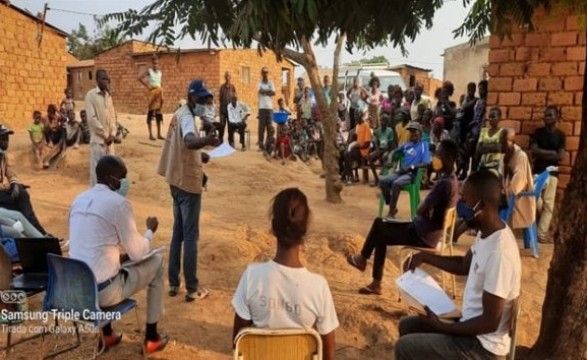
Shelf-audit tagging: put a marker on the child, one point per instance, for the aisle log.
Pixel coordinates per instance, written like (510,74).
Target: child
(36,131)
(85,129)
(283,143)
(281,107)
(72,131)
(67,104)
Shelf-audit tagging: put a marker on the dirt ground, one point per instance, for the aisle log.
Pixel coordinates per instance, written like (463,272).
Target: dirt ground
(235,232)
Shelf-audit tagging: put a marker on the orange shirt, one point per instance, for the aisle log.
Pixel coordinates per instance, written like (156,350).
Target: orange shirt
(363,136)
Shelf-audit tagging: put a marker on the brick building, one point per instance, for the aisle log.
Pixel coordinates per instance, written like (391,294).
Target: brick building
(413,75)
(33,57)
(535,69)
(80,78)
(126,61)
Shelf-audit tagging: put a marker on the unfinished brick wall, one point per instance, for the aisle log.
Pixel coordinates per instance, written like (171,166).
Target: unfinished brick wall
(31,76)
(81,80)
(124,65)
(535,69)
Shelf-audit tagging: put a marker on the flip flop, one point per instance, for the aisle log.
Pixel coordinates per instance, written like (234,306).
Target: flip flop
(353,262)
(366,290)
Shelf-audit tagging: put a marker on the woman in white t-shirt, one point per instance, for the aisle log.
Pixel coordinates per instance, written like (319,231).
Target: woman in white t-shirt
(282,293)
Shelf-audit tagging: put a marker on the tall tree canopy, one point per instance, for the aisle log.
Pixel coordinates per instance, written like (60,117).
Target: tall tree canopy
(84,46)
(292,27)
(372,60)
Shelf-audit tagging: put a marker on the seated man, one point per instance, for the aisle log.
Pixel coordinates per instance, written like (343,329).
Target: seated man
(361,150)
(426,228)
(100,221)
(238,113)
(14,225)
(14,196)
(517,178)
(384,139)
(493,266)
(416,155)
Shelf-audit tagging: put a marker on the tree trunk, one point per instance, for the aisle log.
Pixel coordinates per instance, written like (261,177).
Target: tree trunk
(329,120)
(563,330)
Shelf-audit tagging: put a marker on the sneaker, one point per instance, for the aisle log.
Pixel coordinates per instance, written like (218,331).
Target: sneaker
(110,341)
(151,347)
(200,294)
(173,291)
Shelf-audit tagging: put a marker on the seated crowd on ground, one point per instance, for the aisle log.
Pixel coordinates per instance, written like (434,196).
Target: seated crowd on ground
(395,138)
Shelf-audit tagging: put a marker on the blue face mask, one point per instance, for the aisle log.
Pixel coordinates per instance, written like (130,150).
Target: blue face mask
(198,110)
(465,212)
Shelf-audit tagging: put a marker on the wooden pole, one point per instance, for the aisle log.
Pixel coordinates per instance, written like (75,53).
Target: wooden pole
(40,36)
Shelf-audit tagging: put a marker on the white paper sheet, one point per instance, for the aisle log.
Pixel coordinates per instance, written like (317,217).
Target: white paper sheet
(222,150)
(423,288)
(154,251)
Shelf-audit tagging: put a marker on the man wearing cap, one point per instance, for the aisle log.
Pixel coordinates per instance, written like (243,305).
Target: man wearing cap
(181,165)
(101,121)
(13,195)
(416,154)
(266,91)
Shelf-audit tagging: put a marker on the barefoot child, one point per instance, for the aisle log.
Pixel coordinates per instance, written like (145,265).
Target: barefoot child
(36,131)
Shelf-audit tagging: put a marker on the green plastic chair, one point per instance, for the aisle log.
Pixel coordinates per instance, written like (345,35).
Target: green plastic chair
(413,189)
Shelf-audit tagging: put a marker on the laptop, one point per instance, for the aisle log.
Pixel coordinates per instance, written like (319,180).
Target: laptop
(33,260)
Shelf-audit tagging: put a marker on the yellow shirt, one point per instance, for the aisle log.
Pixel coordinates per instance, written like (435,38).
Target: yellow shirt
(36,131)
(403,135)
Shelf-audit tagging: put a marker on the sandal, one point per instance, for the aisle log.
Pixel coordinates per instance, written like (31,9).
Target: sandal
(367,290)
(352,260)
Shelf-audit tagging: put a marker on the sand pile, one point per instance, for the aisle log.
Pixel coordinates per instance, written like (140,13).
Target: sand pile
(234,231)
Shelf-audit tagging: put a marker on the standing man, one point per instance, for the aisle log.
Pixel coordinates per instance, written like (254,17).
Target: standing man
(151,78)
(548,149)
(418,99)
(327,88)
(227,92)
(467,115)
(474,130)
(101,121)
(181,165)
(266,91)
(298,94)
(100,223)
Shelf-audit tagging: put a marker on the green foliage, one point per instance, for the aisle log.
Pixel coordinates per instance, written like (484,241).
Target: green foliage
(83,46)
(277,24)
(373,60)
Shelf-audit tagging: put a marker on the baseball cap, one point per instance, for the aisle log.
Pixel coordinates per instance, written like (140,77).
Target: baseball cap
(198,88)
(5,131)
(413,125)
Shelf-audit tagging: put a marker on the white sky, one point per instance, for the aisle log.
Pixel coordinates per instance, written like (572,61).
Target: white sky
(425,52)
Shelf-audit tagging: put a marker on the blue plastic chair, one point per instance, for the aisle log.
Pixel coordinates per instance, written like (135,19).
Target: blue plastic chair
(530,233)
(72,289)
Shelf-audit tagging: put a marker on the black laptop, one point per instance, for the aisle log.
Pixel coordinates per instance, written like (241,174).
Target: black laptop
(33,260)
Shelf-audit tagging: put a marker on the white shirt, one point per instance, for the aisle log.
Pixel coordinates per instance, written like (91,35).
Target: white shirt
(265,101)
(497,269)
(100,220)
(187,123)
(275,296)
(237,113)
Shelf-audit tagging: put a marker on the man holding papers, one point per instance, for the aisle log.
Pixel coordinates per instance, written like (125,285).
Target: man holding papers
(426,228)
(100,221)
(494,274)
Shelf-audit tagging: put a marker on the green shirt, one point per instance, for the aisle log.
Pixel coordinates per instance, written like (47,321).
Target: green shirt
(384,137)
(36,131)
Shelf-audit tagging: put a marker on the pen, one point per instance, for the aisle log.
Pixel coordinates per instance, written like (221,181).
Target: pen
(410,260)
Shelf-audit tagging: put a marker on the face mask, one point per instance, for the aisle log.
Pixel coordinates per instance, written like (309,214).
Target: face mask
(198,110)
(465,212)
(436,164)
(124,186)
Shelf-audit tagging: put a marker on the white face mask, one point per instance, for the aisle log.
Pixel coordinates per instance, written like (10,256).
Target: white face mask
(124,187)
(198,110)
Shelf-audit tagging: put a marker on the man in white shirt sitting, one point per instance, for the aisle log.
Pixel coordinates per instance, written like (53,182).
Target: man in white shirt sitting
(238,113)
(493,285)
(100,221)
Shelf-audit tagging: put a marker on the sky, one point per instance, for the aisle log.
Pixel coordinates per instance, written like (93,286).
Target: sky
(425,52)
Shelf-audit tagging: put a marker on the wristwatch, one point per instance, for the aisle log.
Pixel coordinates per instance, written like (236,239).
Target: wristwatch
(412,168)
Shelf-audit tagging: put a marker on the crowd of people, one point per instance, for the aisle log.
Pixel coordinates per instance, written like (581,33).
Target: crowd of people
(399,135)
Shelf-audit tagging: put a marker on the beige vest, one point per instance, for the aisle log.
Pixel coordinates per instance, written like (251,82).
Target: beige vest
(181,167)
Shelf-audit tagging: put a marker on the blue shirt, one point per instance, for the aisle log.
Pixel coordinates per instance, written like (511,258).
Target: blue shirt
(415,153)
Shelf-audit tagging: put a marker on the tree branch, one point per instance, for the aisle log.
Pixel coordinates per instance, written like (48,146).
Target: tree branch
(296,56)
(335,68)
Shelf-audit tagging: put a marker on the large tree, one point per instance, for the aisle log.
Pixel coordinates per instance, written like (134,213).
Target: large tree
(290,28)
(85,46)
